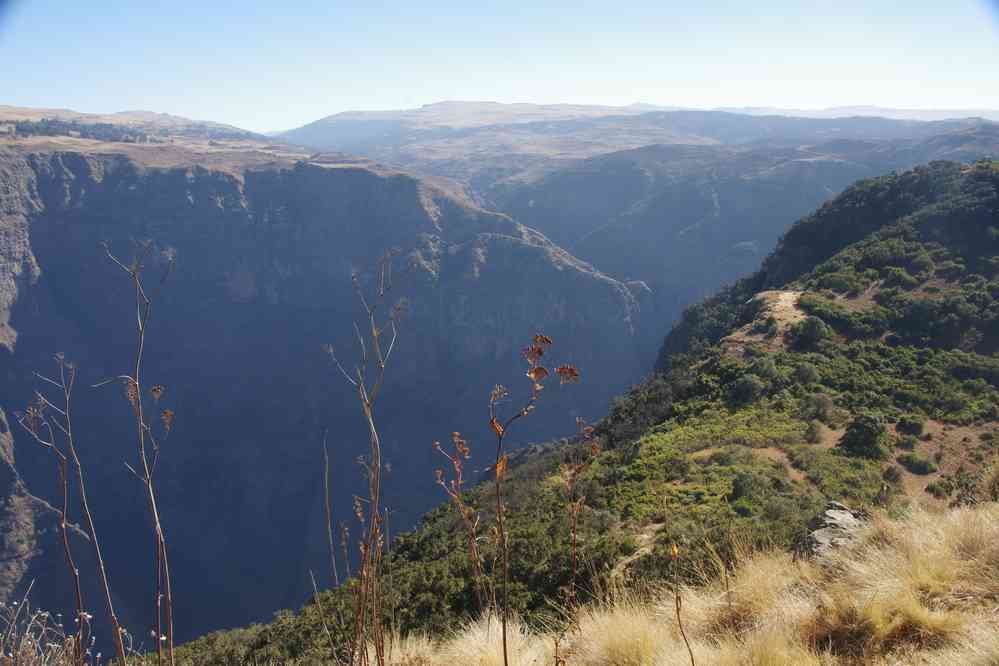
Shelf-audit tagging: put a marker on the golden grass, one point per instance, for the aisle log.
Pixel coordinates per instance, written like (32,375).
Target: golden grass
(480,644)
(922,589)
(918,590)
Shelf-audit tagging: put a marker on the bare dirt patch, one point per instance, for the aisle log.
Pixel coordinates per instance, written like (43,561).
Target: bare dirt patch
(861,301)
(782,305)
(645,539)
(950,447)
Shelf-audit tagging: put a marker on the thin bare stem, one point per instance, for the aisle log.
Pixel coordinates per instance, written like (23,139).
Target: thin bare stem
(329,512)
(133,388)
(322,615)
(367,381)
(678,601)
(32,421)
(453,489)
(536,373)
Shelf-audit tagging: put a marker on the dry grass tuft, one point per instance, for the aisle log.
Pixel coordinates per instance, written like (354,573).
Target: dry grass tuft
(765,588)
(628,633)
(923,589)
(480,643)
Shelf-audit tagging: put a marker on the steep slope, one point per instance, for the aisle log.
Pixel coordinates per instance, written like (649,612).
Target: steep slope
(264,255)
(856,365)
(688,219)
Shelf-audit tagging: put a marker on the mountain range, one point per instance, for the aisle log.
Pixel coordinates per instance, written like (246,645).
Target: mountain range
(596,227)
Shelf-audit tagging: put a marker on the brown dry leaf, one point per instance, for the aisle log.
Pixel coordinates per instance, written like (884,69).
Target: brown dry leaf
(497,428)
(167,418)
(540,339)
(537,373)
(567,374)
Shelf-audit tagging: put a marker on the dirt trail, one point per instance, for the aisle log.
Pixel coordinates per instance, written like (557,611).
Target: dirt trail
(782,305)
(646,541)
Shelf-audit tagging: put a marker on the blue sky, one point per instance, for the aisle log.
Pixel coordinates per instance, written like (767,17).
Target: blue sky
(275,65)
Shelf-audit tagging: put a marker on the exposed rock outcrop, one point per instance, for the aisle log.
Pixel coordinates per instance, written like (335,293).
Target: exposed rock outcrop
(838,525)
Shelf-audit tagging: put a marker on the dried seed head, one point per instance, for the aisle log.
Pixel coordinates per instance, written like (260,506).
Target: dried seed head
(166,418)
(157,392)
(132,392)
(532,354)
(568,374)
(498,393)
(537,374)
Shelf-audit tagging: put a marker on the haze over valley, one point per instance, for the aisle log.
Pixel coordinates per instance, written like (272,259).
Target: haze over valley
(741,329)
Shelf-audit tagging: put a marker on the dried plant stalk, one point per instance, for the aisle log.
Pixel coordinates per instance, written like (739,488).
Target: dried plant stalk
(536,374)
(148,444)
(42,422)
(367,379)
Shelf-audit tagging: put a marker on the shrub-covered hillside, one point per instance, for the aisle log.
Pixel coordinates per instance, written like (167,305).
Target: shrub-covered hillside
(913,590)
(858,364)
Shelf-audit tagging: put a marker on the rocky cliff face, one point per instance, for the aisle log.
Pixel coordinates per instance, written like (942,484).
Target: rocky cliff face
(263,261)
(687,219)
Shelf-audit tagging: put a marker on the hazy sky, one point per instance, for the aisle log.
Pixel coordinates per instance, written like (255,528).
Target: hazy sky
(267,65)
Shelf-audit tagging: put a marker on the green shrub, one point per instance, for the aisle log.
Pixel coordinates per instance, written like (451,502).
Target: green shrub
(911,424)
(808,332)
(923,265)
(916,464)
(818,406)
(865,437)
(898,277)
(766,327)
(892,474)
(907,442)
(806,373)
(747,389)
(939,489)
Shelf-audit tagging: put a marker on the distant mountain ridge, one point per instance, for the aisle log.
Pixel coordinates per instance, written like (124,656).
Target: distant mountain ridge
(150,121)
(468,113)
(879,111)
(483,145)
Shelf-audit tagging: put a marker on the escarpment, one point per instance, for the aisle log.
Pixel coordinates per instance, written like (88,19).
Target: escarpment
(263,261)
